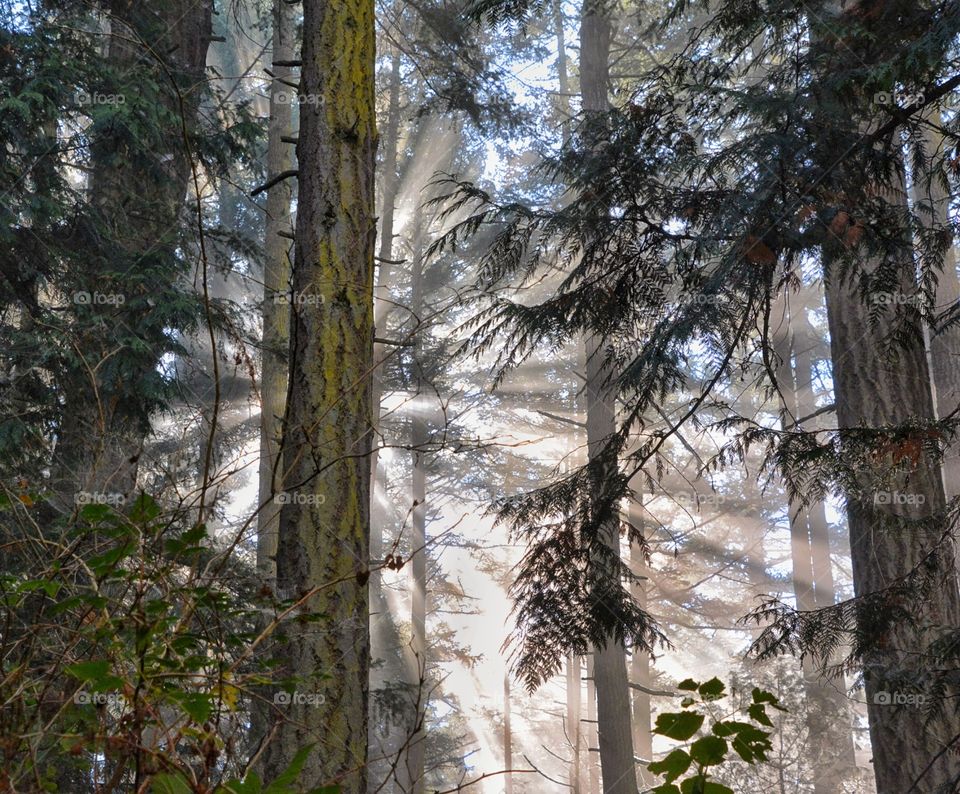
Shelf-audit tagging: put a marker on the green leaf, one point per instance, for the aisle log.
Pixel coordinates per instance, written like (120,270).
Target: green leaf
(666,788)
(169,784)
(680,726)
(251,784)
(106,562)
(762,696)
(716,788)
(712,689)
(196,704)
(289,775)
(730,727)
(95,670)
(144,509)
(671,767)
(687,702)
(708,751)
(694,785)
(688,683)
(96,513)
(758,713)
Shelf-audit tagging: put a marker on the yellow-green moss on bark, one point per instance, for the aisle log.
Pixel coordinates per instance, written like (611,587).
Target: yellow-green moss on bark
(324,530)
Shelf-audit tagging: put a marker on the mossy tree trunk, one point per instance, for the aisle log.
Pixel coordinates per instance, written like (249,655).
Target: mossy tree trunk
(323,549)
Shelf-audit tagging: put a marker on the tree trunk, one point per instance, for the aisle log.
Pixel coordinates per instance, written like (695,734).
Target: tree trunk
(886,543)
(932,203)
(640,659)
(276,283)
(592,740)
(574,727)
(610,668)
(324,527)
(418,538)
(829,736)
(383,737)
(507,737)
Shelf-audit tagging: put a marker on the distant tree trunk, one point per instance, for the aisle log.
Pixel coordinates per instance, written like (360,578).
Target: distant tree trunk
(563,79)
(507,737)
(387,743)
(829,734)
(276,323)
(416,732)
(324,529)
(276,282)
(574,726)
(932,203)
(592,740)
(640,659)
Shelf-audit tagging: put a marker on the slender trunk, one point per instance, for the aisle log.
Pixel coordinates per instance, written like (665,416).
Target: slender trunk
(276,323)
(563,79)
(829,737)
(276,310)
(507,736)
(574,727)
(381,309)
(640,659)
(610,669)
(383,736)
(418,539)
(932,203)
(592,740)
(323,546)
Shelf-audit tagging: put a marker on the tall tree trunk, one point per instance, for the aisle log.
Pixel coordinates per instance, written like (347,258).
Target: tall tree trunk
(276,322)
(887,541)
(829,736)
(610,668)
(880,384)
(380,618)
(276,282)
(418,537)
(323,550)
